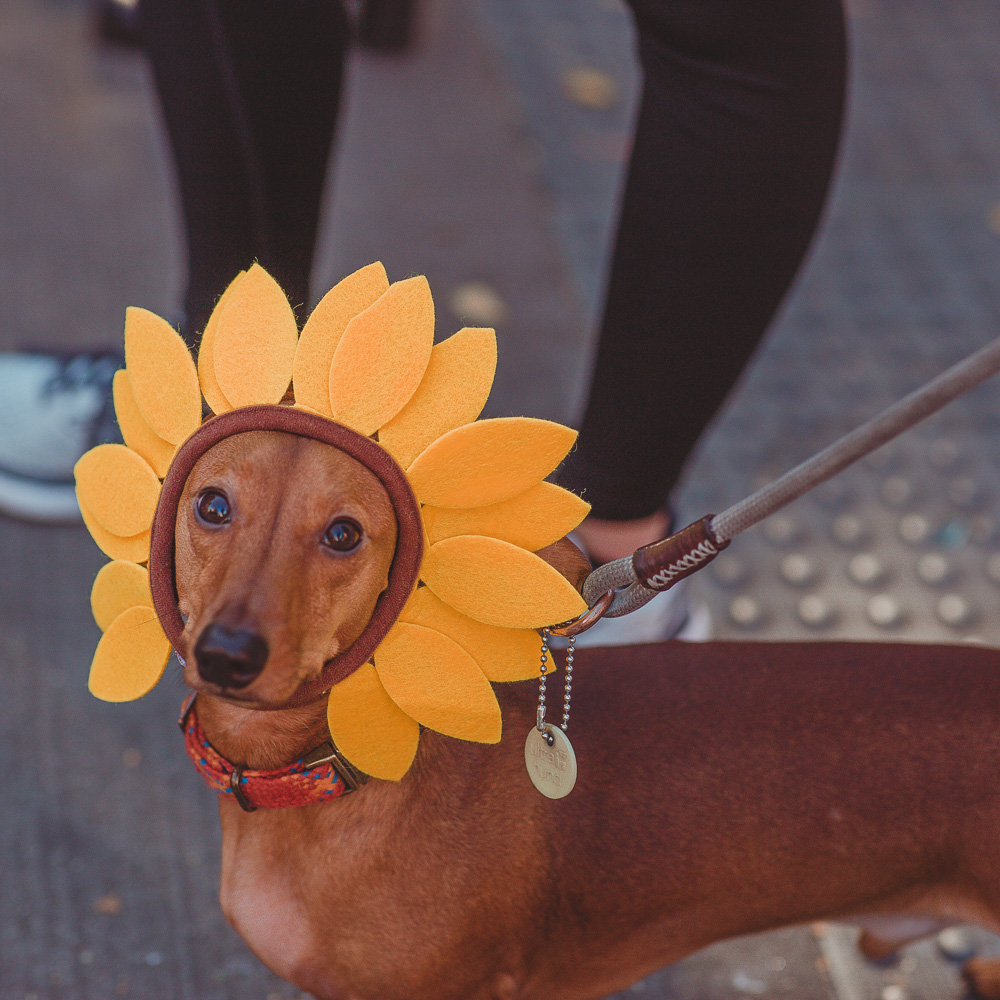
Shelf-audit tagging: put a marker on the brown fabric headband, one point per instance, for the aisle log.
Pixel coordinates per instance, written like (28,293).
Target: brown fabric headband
(409,543)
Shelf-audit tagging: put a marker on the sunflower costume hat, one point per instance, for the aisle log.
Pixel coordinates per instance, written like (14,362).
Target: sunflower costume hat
(470,498)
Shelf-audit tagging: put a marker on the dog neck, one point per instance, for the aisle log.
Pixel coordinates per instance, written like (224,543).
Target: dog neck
(261,740)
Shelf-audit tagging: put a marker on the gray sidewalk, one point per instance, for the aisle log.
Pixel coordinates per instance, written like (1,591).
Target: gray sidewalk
(489,160)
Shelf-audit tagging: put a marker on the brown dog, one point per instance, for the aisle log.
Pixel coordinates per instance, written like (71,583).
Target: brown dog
(724,788)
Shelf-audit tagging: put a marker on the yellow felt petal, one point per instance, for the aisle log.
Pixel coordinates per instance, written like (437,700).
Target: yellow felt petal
(382,356)
(325,327)
(369,728)
(254,341)
(118,487)
(503,654)
(134,548)
(162,375)
(118,586)
(539,516)
(435,681)
(453,392)
(130,657)
(499,583)
(489,461)
(138,435)
(214,396)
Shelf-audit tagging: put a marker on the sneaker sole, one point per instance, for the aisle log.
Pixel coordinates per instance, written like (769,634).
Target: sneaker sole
(38,502)
(698,626)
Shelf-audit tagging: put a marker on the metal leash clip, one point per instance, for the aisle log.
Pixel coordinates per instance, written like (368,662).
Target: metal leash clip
(588,619)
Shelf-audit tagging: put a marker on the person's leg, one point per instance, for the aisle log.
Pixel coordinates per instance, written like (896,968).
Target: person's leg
(249,91)
(735,143)
(289,61)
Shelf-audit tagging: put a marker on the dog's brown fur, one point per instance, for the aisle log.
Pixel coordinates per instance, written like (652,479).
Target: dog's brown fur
(724,788)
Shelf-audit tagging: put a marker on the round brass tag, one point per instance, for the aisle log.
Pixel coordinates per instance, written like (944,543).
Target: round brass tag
(552,769)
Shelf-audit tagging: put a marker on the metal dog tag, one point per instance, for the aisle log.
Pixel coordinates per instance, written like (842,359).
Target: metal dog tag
(551,766)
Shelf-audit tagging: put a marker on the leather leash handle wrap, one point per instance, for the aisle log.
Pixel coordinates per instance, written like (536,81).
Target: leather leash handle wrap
(661,564)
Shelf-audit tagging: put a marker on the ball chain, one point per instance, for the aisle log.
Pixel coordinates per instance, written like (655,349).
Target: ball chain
(567,692)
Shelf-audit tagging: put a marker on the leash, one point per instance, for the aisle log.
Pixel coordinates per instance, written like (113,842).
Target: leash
(625,585)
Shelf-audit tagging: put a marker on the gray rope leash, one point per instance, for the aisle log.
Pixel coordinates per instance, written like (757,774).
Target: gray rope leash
(659,566)
(613,576)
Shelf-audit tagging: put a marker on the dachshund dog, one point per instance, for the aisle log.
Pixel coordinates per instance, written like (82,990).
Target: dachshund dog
(724,788)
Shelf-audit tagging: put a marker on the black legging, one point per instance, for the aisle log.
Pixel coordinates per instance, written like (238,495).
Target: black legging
(249,91)
(735,142)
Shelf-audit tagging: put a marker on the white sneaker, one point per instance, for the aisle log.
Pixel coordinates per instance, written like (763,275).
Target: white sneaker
(52,409)
(670,615)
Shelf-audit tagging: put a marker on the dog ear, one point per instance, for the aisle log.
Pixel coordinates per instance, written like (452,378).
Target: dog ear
(565,557)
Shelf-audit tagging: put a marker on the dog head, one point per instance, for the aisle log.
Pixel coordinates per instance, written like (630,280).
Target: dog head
(283,545)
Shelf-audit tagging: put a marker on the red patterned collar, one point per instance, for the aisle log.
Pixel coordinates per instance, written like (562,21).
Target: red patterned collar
(318,777)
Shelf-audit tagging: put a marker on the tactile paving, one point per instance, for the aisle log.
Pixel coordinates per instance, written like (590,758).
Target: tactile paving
(903,548)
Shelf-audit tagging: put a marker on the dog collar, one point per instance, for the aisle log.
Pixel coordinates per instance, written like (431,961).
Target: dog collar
(320,776)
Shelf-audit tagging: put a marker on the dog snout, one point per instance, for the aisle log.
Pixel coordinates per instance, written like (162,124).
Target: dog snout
(229,657)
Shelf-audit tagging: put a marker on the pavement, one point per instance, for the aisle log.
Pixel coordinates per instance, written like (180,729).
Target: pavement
(489,158)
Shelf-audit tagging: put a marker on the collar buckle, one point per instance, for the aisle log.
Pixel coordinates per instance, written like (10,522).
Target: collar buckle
(327,753)
(234,786)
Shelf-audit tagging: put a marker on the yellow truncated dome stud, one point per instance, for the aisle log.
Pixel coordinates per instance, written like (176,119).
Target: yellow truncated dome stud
(366,358)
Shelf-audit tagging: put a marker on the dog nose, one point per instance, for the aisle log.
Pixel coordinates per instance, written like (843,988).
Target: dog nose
(229,657)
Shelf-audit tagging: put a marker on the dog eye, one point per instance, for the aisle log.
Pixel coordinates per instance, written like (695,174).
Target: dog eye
(342,536)
(213,507)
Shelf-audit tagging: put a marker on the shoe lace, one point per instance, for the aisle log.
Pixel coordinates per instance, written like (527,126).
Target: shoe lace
(81,371)
(78,371)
